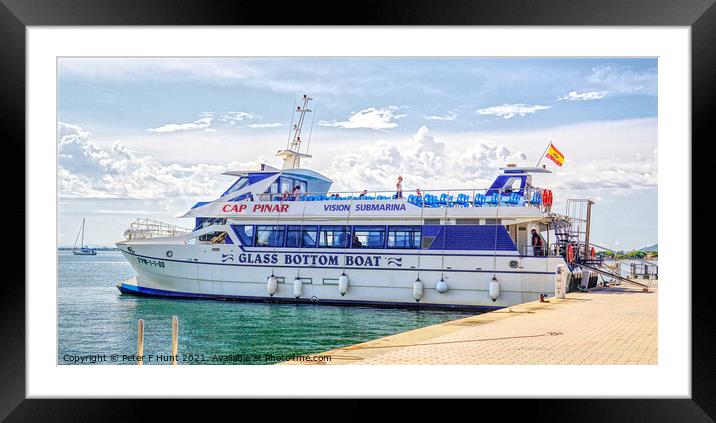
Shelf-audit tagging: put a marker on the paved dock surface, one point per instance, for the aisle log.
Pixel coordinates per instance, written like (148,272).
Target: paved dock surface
(616,325)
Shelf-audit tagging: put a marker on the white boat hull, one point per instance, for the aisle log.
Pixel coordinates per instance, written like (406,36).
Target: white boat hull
(376,277)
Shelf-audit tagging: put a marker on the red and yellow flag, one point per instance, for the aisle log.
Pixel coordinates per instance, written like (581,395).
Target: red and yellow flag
(555,155)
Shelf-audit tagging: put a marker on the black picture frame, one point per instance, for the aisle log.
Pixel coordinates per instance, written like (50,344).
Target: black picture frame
(16,15)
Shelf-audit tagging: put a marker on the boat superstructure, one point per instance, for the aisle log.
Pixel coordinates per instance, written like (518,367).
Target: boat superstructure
(282,235)
(82,250)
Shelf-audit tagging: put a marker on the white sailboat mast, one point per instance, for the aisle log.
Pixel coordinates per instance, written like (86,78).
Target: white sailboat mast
(292,155)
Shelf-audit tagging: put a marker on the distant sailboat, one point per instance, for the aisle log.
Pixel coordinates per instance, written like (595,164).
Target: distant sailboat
(82,251)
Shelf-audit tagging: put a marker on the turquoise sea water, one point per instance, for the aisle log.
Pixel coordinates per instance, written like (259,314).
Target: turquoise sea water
(98,323)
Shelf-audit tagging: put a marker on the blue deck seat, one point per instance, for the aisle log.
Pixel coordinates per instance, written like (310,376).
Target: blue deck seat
(494,200)
(430,200)
(445,200)
(462,200)
(536,198)
(480,199)
(515,199)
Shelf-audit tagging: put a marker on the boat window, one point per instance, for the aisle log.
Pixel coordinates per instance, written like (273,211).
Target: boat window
(368,237)
(213,237)
(240,183)
(512,185)
(310,236)
(274,187)
(286,185)
(334,236)
(428,241)
(245,234)
(304,186)
(269,236)
(301,236)
(403,237)
(489,221)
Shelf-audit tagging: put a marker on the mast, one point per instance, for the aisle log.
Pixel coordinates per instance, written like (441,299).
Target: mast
(82,244)
(77,238)
(292,155)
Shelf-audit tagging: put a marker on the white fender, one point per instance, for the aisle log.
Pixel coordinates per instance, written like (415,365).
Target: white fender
(417,290)
(494,289)
(561,274)
(343,284)
(577,273)
(586,277)
(271,285)
(297,287)
(442,286)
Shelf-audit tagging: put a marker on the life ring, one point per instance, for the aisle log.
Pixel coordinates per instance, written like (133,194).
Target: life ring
(547,197)
(570,254)
(594,252)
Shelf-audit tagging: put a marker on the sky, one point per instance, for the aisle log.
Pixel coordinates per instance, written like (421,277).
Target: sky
(149,137)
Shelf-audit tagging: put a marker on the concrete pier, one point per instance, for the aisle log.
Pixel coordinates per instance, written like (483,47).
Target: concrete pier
(616,325)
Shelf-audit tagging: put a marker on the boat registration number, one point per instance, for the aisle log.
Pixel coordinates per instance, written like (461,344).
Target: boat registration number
(150,262)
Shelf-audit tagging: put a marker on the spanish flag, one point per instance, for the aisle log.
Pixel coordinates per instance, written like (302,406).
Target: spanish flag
(555,155)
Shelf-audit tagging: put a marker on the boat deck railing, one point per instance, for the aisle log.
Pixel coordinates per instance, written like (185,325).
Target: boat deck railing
(148,228)
(533,197)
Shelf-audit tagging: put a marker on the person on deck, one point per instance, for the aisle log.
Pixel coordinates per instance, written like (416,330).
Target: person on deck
(418,193)
(536,243)
(399,187)
(363,194)
(296,192)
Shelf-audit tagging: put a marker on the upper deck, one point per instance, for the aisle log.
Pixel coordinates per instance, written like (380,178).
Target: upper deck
(459,207)
(303,194)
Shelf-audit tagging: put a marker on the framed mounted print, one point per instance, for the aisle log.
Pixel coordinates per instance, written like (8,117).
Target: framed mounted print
(368,210)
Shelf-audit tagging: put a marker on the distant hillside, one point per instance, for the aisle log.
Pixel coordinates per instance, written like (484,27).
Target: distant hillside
(650,249)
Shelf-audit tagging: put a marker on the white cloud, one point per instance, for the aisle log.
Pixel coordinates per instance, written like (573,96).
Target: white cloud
(615,175)
(624,80)
(208,123)
(88,171)
(370,118)
(424,162)
(204,122)
(219,71)
(449,116)
(234,118)
(266,125)
(585,96)
(508,111)
(473,160)
(317,79)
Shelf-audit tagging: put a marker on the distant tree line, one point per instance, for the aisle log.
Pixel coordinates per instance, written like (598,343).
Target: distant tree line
(625,255)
